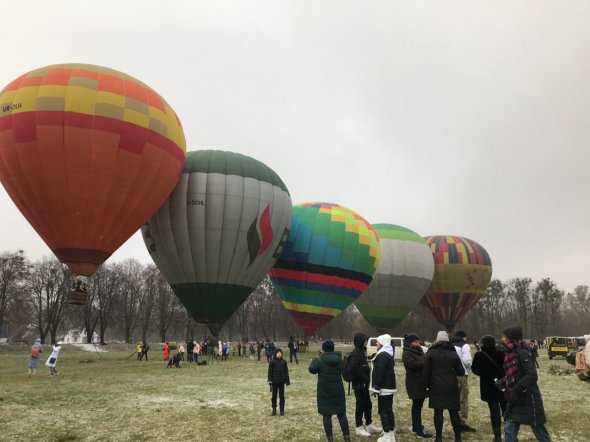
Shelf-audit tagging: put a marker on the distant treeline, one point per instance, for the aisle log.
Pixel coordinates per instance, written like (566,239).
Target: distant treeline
(129,302)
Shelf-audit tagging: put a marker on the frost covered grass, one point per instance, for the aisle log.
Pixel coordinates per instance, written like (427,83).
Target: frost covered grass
(113,398)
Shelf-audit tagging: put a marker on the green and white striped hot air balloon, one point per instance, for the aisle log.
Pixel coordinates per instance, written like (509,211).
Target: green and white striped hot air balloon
(404,275)
(220,232)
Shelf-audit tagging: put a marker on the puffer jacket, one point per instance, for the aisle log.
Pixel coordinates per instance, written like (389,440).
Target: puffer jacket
(441,369)
(278,371)
(525,405)
(330,390)
(358,363)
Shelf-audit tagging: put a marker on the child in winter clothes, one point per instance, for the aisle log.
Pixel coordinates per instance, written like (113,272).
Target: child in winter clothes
(52,360)
(278,377)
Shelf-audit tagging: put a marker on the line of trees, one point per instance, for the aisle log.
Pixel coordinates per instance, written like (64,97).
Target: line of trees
(129,301)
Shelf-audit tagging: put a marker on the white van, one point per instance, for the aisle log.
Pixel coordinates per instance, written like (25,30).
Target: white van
(397,344)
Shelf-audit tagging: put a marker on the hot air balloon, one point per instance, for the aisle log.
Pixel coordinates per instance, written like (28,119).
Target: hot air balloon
(329,260)
(87,154)
(219,232)
(404,274)
(462,272)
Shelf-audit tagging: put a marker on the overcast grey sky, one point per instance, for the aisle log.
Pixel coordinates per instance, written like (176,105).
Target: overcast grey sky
(469,117)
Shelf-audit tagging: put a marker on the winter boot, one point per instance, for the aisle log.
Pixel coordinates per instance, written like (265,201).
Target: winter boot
(274,411)
(374,429)
(330,438)
(438,439)
(282,412)
(347,438)
(360,431)
(497,434)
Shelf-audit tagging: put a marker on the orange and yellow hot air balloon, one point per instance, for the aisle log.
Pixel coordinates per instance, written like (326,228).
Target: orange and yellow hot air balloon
(87,154)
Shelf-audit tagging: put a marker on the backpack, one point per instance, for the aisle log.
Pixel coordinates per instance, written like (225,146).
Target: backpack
(35,352)
(582,370)
(346,369)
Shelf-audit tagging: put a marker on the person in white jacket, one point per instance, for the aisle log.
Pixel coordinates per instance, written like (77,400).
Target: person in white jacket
(464,353)
(52,359)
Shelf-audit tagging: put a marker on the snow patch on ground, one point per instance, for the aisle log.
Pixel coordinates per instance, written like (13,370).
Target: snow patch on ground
(89,347)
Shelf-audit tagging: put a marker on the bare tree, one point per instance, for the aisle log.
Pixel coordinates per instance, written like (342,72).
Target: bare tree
(49,285)
(14,270)
(152,279)
(129,296)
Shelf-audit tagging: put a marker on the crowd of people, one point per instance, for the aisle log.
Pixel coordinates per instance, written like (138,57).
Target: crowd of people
(506,369)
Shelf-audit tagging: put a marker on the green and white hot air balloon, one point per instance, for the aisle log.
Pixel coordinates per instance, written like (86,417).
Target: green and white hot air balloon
(220,232)
(404,275)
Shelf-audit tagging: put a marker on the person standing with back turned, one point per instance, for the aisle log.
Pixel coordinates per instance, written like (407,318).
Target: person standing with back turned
(330,390)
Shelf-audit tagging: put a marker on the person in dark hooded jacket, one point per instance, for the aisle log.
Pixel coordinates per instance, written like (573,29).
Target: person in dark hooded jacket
(413,358)
(384,385)
(525,405)
(359,367)
(487,364)
(278,377)
(441,369)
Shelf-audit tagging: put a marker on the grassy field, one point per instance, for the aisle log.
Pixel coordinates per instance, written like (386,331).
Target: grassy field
(113,398)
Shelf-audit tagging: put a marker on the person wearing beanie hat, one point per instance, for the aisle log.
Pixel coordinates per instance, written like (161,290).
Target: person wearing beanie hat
(522,394)
(442,336)
(330,390)
(459,340)
(487,364)
(360,375)
(442,367)
(383,384)
(278,377)
(413,358)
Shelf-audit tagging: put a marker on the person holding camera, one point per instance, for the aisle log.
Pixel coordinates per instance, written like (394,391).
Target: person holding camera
(330,390)
(525,405)
(487,364)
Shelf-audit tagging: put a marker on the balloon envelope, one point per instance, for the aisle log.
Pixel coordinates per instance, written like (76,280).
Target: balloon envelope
(404,274)
(87,154)
(330,259)
(462,272)
(219,233)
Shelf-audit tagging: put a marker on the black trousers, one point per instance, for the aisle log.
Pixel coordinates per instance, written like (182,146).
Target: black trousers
(455,422)
(497,410)
(385,404)
(417,415)
(280,388)
(363,407)
(342,420)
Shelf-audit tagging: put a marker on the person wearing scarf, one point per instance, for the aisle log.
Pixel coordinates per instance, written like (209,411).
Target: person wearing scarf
(525,405)
(442,367)
(383,384)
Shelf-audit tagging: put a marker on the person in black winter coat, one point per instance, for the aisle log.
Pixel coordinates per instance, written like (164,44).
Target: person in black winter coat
(413,358)
(487,364)
(278,377)
(384,385)
(524,402)
(441,369)
(359,367)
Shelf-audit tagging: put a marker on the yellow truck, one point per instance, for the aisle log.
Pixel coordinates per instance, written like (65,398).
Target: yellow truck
(560,346)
